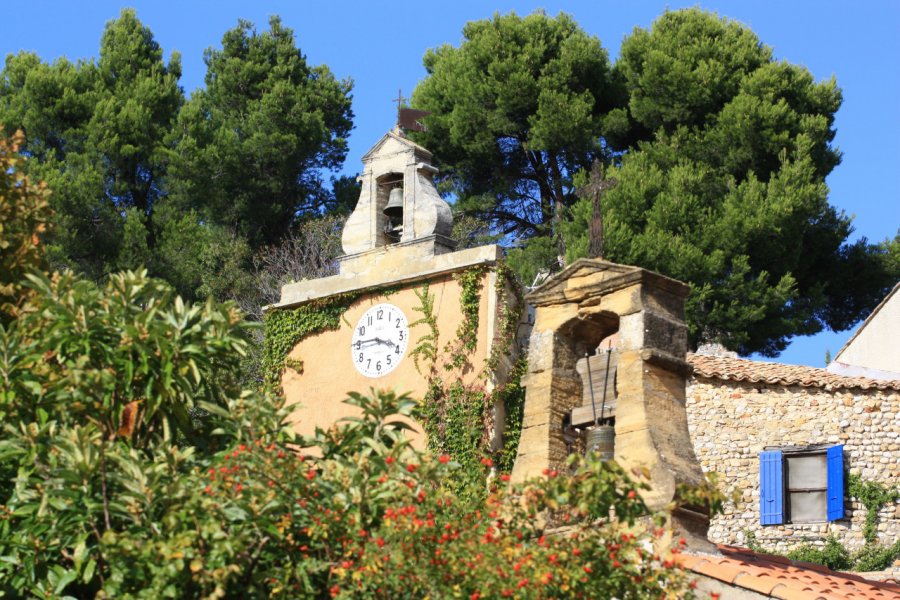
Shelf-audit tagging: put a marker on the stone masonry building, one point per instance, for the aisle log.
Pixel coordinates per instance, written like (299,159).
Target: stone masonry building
(742,411)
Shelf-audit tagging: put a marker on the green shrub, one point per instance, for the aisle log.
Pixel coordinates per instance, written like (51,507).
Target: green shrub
(833,555)
(875,557)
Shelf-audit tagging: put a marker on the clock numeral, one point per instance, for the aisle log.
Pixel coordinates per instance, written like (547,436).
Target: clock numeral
(362,330)
(388,359)
(360,357)
(359,344)
(380,314)
(370,319)
(398,323)
(397,350)
(378,366)
(401,336)
(369,363)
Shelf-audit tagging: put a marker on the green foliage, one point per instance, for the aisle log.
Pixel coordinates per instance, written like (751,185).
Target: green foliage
(426,347)
(110,398)
(873,557)
(723,187)
(130,358)
(133,465)
(753,543)
(190,191)
(256,138)
(369,517)
(833,555)
(720,155)
(98,135)
(285,328)
(509,294)
(873,495)
(512,396)
(891,253)
(24,213)
(458,418)
(454,417)
(458,350)
(535,255)
(516,110)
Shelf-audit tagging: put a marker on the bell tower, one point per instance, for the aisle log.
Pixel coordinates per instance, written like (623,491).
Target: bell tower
(398,203)
(399,263)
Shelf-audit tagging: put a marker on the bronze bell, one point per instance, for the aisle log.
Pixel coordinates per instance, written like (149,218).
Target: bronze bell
(601,440)
(394,208)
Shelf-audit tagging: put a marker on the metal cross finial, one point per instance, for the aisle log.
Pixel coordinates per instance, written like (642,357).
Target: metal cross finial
(400,100)
(597,185)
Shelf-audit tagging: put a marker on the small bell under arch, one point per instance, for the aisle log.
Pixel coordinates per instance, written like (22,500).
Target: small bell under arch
(394,212)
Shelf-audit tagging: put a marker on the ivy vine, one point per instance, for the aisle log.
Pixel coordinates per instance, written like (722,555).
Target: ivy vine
(284,329)
(466,339)
(453,417)
(873,496)
(426,347)
(458,418)
(512,395)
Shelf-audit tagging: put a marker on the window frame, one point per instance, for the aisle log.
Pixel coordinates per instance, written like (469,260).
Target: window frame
(787,455)
(774,493)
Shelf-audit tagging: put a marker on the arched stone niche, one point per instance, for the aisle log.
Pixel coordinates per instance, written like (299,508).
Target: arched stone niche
(396,161)
(573,312)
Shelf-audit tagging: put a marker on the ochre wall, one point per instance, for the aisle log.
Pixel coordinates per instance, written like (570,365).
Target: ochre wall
(328,371)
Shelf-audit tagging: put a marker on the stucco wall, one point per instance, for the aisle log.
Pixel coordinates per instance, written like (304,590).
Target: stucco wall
(328,372)
(874,346)
(731,422)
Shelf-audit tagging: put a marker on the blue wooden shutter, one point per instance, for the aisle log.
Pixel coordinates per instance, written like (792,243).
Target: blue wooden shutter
(835,456)
(771,488)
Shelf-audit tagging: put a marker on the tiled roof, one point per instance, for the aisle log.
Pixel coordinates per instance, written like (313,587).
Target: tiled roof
(740,369)
(778,577)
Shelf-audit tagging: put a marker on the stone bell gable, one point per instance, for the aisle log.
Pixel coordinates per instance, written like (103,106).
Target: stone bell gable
(574,312)
(396,162)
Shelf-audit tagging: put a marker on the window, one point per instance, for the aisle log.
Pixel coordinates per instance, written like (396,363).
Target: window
(801,485)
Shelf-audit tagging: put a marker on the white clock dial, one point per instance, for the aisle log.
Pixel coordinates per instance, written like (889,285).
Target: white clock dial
(379,340)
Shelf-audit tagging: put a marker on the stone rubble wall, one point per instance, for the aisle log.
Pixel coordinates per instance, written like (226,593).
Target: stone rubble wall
(731,422)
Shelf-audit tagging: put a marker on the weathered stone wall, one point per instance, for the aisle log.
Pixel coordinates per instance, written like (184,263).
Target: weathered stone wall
(731,422)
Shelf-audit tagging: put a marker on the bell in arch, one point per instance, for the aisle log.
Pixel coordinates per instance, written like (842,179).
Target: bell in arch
(394,212)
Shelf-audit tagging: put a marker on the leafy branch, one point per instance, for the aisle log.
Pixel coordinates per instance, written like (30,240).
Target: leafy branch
(873,496)
(427,346)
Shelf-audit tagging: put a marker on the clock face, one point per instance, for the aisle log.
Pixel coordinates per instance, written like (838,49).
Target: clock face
(379,340)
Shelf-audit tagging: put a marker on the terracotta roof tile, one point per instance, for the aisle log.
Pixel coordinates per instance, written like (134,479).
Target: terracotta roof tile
(763,584)
(726,573)
(778,577)
(740,369)
(786,593)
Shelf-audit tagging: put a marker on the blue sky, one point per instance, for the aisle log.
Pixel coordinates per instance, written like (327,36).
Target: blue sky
(379,45)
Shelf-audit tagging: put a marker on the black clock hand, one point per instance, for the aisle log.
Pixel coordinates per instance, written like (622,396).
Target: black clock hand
(377,341)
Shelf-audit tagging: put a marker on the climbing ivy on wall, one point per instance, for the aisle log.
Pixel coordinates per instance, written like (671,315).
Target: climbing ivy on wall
(873,496)
(466,338)
(459,418)
(284,329)
(426,348)
(512,395)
